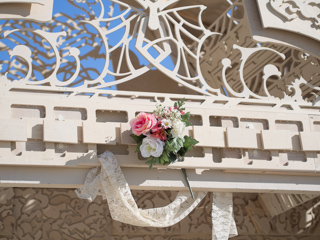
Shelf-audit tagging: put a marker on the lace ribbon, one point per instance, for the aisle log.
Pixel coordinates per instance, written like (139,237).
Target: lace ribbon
(108,181)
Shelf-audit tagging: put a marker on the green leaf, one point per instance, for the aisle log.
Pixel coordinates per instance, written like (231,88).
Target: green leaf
(177,143)
(179,104)
(188,142)
(138,146)
(187,145)
(183,151)
(172,158)
(152,161)
(180,141)
(164,159)
(168,147)
(137,138)
(185,117)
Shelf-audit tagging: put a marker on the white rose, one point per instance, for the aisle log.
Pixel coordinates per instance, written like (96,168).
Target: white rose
(178,129)
(151,147)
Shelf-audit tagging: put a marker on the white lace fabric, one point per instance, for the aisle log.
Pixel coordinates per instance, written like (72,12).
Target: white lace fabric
(109,181)
(223,224)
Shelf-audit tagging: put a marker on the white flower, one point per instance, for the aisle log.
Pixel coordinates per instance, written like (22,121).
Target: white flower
(176,113)
(151,147)
(166,123)
(178,128)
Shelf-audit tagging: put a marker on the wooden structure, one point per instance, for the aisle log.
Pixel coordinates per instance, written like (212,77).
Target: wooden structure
(253,91)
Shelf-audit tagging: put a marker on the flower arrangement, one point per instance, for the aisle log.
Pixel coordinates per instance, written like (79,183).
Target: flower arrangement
(159,135)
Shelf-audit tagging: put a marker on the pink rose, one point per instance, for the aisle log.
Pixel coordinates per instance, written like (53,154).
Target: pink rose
(142,123)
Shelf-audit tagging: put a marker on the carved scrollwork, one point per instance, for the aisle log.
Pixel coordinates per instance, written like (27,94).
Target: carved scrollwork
(291,9)
(268,71)
(133,26)
(100,49)
(298,16)
(250,69)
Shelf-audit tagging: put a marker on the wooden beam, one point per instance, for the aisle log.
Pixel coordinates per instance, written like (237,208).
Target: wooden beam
(162,179)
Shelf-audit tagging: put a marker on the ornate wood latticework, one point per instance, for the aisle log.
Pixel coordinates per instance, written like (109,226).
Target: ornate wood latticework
(59,214)
(217,60)
(70,85)
(242,93)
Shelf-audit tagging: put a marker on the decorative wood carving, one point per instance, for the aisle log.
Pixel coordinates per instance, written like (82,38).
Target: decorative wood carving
(299,16)
(307,10)
(171,29)
(244,68)
(274,204)
(7,219)
(204,60)
(59,214)
(36,10)
(252,123)
(271,88)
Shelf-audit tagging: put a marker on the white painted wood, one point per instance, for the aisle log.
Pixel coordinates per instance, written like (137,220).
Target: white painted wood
(273,140)
(76,154)
(13,130)
(23,1)
(60,131)
(125,129)
(210,137)
(161,179)
(39,10)
(310,141)
(35,128)
(266,25)
(103,133)
(242,138)
(229,129)
(302,20)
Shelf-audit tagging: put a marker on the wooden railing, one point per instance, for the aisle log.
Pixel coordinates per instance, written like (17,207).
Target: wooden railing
(245,138)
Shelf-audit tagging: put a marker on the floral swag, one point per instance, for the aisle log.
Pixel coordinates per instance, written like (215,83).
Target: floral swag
(160,140)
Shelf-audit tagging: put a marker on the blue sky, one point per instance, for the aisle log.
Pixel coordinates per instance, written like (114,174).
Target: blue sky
(92,61)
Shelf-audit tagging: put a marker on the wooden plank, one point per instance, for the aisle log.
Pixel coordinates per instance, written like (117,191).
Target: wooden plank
(209,136)
(310,141)
(38,10)
(161,179)
(60,131)
(35,128)
(242,138)
(274,140)
(14,130)
(125,129)
(99,133)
